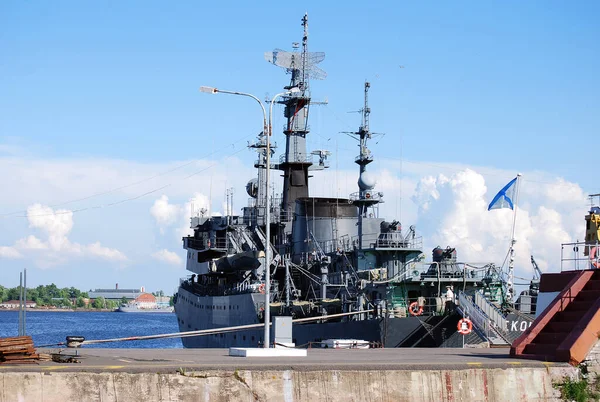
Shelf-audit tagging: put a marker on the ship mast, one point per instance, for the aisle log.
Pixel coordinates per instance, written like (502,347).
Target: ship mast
(296,163)
(365,198)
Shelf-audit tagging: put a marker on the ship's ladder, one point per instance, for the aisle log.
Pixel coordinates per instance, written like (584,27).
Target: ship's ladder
(492,330)
(233,238)
(263,239)
(317,246)
(248,240)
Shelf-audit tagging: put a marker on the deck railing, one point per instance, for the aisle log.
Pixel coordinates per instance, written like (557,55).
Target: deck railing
(573,256)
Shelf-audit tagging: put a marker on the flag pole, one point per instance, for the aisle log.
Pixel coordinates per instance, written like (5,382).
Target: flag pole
(511,264)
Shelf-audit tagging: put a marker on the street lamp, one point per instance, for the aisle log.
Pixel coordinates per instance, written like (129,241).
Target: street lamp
(267,131)
(214,91)
(268,217)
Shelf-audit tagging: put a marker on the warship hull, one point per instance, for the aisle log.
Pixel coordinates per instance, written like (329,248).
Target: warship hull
(203,312)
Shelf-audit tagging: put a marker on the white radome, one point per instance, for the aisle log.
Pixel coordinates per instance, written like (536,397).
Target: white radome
(366,181)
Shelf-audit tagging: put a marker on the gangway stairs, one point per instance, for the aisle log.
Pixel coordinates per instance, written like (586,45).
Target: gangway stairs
(488,320)
(568,328)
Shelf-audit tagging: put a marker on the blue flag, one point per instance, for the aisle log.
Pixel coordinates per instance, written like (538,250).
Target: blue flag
(504,198)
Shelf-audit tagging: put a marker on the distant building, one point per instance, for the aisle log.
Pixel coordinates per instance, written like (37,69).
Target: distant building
(116,293)
(145,300)
(163,301)
(15,304)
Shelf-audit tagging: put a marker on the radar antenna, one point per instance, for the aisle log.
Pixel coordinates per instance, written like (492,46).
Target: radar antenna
(302,65)
(296,161)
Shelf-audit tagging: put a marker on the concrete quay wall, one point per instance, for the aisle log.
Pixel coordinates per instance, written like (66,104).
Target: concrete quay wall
(477,384)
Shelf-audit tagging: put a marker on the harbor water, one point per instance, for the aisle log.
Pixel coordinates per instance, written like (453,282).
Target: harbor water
(53,327)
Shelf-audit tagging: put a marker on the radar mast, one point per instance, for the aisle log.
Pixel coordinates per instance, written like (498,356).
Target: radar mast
(295,162)
(366,198)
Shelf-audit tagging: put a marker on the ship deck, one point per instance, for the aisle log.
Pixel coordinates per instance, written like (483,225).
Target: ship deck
(172,360)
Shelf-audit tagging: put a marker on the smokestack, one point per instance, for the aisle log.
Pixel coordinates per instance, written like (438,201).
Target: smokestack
(117,286)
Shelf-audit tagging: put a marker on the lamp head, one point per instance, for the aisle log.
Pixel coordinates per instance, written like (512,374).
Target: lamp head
(209,90)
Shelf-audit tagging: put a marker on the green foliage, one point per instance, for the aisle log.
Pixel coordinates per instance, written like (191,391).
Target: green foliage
(582,390)
(99,302)
(49,295)
(575,391)
(111,304)
(124,300)
(80,302)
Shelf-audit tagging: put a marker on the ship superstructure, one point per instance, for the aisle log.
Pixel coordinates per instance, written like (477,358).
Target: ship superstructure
(336,260)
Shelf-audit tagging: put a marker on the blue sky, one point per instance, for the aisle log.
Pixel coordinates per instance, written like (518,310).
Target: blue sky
(100,95)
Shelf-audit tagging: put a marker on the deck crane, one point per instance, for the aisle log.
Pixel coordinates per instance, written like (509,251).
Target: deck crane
(534,285)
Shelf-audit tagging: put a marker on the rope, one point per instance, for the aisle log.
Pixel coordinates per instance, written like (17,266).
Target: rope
(201,332)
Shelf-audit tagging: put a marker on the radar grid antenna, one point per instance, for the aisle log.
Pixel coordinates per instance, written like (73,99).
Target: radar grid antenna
(302,65)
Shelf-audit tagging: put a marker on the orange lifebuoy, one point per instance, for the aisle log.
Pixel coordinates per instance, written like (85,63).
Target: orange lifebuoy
(261,288)
(415,309)
(464,326)
(593,260)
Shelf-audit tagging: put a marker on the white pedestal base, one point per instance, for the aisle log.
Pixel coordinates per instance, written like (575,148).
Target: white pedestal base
(270,352)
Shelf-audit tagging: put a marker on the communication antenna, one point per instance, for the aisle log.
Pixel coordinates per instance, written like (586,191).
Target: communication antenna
(296,162)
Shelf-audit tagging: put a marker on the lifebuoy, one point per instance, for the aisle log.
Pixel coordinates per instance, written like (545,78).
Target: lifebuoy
(464,326)
(415,309)
(593,260)
(261,288)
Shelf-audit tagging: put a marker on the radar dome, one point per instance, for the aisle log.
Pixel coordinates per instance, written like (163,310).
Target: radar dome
(252,188)
(366,181)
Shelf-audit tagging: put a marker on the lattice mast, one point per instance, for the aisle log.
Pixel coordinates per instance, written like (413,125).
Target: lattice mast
(295,163)
(366,196)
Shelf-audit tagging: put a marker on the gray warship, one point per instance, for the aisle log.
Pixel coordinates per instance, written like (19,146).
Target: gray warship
(336,266)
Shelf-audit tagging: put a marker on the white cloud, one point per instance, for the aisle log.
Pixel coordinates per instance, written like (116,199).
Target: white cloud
(453,211)
(449,207)
(9,252)
(167,256)
(31,243)
(112,254)
(57,248)
(164,213)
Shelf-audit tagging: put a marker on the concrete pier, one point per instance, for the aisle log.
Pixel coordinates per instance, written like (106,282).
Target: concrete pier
(324,375)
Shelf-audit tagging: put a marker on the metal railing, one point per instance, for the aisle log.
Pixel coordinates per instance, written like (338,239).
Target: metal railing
(296,158)
(494,314)
(579,255)
(397,240)
(482,322)
(366,195)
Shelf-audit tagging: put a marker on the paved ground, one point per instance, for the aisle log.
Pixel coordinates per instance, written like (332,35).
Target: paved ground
(170,360)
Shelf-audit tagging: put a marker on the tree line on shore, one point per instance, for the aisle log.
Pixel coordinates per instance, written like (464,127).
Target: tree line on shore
(53,296)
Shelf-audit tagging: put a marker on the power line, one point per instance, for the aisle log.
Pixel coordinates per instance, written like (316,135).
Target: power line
(25,215)
(125,199)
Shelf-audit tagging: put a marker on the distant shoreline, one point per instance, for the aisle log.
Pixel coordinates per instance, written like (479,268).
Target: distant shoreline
(59,310)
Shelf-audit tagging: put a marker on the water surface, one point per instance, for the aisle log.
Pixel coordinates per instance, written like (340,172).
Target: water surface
(53,327)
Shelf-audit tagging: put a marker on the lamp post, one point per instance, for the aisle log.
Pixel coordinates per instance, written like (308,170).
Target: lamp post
(267,131)
(211,90)
(268,218)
